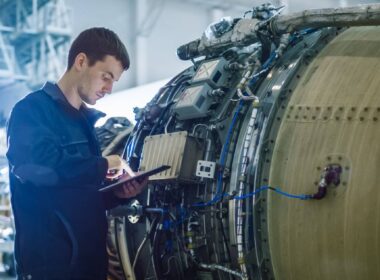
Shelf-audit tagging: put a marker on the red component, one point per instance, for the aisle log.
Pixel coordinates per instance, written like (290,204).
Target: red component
(330,176)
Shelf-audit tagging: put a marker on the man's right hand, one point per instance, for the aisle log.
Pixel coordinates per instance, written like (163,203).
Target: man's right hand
(116,165)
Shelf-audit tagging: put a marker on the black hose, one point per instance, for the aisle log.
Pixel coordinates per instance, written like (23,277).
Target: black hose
(156,253)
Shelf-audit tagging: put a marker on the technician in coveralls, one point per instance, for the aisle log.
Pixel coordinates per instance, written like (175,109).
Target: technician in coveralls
(56,167)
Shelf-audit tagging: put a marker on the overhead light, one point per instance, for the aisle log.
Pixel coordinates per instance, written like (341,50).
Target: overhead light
(4,171)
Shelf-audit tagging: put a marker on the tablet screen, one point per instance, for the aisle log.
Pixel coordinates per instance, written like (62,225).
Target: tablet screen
(140,176)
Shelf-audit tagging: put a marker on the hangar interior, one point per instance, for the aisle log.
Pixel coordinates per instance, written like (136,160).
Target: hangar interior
(269,124)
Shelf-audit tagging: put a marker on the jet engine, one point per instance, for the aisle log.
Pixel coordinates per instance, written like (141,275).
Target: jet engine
(271,138)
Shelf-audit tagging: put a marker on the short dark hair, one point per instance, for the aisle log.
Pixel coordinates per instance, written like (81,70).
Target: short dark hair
(96,43)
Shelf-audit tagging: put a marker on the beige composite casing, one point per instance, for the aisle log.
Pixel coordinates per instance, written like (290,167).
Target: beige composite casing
(332,117)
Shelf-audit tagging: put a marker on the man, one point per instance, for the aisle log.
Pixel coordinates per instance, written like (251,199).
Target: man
(56,167)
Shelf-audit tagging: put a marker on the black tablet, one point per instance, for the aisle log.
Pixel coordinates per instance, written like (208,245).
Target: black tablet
(138,177)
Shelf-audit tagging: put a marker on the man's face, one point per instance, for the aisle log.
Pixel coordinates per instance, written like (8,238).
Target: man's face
(97,80)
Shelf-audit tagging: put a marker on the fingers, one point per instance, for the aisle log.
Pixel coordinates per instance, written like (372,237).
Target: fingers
(128,170)
(127,191)
(131,189)
(143,181)
(116,167)
(114,162)
(114,174)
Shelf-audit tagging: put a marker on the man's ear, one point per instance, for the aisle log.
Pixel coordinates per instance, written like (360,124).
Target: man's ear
(80,61)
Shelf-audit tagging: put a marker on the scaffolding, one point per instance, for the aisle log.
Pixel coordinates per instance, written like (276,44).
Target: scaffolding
(34,40)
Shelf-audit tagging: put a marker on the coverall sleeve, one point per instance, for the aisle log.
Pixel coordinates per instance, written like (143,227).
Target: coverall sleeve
(36,155)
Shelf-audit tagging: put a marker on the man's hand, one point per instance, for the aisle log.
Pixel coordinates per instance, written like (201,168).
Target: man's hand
(132,188)
(116,166)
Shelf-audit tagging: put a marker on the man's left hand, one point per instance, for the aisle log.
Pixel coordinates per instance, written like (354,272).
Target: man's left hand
(132,188)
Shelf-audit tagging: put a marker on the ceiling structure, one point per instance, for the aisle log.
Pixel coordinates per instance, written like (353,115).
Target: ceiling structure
(34,36)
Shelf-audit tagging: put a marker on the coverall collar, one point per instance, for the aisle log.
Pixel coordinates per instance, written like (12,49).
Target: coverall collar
(57,95)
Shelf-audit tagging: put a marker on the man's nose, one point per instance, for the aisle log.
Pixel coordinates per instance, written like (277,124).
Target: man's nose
(107,89)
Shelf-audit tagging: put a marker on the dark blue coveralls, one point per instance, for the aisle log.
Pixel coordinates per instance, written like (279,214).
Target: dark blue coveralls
(56,170)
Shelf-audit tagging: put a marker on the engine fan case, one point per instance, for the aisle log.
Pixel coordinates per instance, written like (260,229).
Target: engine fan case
(333,116)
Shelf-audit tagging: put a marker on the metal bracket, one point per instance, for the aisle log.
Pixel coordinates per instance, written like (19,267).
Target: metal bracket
(135,217)
(205,169)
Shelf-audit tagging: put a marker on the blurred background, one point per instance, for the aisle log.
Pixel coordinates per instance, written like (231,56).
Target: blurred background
(35,36)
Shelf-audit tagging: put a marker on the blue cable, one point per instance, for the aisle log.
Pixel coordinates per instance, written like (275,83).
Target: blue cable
(222,160)
(308,31)
(264,68)
(218,194)
(259,190)
(269,60)
(256,192)
(295,37)
(184,215)
(277,190)
(297,196)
